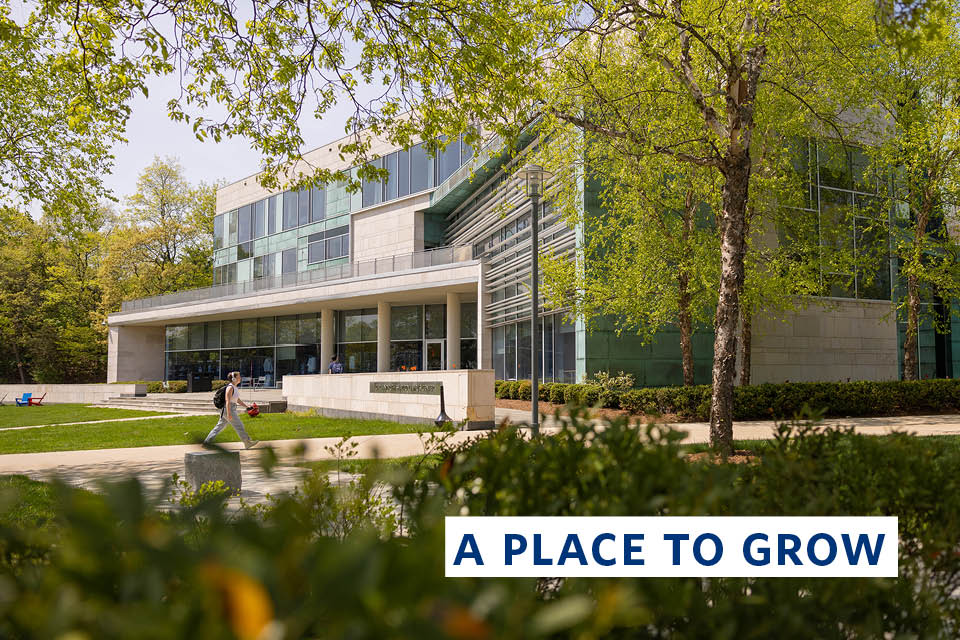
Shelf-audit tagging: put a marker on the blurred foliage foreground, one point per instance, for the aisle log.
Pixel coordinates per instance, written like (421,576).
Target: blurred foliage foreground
(327,564)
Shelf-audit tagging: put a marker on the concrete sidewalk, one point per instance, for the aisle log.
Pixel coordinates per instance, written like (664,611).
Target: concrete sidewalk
(409,444)
(935,425)
(154,466)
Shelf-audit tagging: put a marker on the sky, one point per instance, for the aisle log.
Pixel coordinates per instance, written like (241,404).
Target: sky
(150,133)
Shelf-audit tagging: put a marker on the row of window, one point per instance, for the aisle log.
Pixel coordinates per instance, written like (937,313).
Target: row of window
(247,332)
(411,322)
(558,353)
(410,171)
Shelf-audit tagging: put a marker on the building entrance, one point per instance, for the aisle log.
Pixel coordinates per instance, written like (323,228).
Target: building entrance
(435,355)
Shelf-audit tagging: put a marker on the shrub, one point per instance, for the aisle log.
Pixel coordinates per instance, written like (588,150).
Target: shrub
(524,390)
(324,561)
(557,392)
(176,386)
(496,387)
(155,387)
(544,391)
(216,384)
(503,390)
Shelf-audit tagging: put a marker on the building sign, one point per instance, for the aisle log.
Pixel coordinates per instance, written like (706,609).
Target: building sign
(415,388)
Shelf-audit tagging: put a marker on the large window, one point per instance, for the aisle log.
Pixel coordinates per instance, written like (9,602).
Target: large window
(448,160)
(318,204)
(245,227)
(357,339)
(289,261)
(511,350)
(303,200)
(290,210)
(373,188)
(260,219)
(421,169)
(273,208)
(841,220)
(262,349)
(218,232)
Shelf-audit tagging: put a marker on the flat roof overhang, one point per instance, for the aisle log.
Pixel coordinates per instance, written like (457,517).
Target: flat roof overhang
(414,286)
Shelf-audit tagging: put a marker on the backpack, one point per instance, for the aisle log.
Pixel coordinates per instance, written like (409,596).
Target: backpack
(336,367)
(220,397)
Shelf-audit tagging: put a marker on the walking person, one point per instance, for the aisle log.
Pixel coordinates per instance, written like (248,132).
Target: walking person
(335,365)
(228,415)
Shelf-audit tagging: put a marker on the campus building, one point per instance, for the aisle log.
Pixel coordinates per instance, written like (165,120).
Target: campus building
(429,270)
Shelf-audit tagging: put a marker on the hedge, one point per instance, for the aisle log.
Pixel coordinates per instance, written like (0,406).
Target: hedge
(758,402)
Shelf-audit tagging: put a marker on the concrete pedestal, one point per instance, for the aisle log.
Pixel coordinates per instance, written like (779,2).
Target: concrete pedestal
(201,467)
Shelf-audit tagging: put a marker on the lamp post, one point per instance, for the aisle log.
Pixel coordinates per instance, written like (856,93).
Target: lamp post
(533,177)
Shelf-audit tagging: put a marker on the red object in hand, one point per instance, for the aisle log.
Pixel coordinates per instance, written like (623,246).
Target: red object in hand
(253,410)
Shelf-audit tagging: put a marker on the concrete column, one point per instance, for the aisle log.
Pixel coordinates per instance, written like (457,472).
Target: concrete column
(484,333)
(453,331)
(327,347)
(135,353)
(383,336)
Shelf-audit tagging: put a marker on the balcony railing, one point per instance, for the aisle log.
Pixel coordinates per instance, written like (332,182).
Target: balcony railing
(390,264)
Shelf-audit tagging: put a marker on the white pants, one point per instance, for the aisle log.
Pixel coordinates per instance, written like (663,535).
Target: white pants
(228,416)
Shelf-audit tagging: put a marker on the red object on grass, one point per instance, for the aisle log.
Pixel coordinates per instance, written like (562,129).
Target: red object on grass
(253,410)
(36,402)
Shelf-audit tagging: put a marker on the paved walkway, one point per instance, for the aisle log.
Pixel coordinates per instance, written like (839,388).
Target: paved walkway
(155,465)
(936,425)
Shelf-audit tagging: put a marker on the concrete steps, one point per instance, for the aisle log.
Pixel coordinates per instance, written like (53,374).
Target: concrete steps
(171,404)
(183,403)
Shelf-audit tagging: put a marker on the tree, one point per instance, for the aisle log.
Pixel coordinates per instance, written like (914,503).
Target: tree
(650,258)
(163,243)
(434,68)
(640,71)
(53,144)
(918,91)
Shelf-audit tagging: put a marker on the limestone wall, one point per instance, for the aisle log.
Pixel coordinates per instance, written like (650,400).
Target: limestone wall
(468,394)
(70,393)
(832,340)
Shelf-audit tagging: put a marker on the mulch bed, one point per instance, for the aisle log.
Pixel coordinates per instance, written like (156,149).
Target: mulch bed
(549,408)
(740,456)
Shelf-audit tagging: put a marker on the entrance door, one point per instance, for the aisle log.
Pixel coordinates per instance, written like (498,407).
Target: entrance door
(435,355)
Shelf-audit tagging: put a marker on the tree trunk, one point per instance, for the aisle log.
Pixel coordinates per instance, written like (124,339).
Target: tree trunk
(910,359)
(686,331)
(746,344)
(683,301)
(16,354)
(732,248)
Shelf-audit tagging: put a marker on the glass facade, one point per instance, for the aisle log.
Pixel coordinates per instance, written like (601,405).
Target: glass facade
(294,223)
(418,337)
(846,222)
(558,352)
(262,349)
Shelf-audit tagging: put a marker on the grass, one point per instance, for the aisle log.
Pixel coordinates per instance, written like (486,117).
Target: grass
(14,416)
(189,430)
(416,465)
(26,504)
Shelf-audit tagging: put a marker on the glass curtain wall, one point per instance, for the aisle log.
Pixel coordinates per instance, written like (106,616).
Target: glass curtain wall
(357,340)
(262,349)
(558,358)
(409,171)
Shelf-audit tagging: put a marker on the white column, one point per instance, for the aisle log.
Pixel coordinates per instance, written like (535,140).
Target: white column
(383,336)
(453,331)
(484,333)
(327,348)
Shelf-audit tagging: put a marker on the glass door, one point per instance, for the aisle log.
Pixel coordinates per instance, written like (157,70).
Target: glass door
(435,355)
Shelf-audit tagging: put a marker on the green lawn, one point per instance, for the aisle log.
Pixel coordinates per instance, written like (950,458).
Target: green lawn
(187,430)
(418,465)
(14,416)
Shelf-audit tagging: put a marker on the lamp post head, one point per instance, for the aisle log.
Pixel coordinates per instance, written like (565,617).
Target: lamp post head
(534,177)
